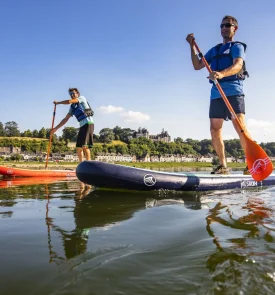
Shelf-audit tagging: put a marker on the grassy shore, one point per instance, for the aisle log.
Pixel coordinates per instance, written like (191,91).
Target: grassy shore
(151,165)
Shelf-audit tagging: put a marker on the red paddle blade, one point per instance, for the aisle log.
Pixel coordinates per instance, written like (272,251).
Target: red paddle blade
(258,162)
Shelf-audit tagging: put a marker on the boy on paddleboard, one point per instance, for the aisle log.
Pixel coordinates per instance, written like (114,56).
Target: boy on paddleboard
(80,108)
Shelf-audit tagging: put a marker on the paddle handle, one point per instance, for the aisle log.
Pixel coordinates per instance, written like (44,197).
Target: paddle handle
(233,114)
(50,142)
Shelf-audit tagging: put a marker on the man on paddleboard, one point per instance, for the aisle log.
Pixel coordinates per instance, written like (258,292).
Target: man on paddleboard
(227,61)
(80,108)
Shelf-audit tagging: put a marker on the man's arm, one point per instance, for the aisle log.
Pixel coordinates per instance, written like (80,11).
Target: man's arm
(63,122)
(232,70)
(238,56)
(68,101)
(197,63)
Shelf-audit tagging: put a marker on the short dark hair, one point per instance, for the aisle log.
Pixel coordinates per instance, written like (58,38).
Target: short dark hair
(74,89)
(232,18)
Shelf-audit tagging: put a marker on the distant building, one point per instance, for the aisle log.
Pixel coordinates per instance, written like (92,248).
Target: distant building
(163,136)
(71,145)
(11,149)
(112,157)
(70,158)
(142,132)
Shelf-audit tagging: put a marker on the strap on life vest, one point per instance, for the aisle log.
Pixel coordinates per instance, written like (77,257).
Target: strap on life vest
(239,76)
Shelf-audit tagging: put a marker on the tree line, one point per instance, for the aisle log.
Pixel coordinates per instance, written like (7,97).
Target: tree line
(36,141)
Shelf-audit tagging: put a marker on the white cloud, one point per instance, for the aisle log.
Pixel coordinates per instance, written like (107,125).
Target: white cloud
(259,123)
(262,131)
(131,116)
(230,136)
(111,109)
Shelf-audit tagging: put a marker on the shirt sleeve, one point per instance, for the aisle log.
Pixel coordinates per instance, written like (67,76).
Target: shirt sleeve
(237,51)
(81,99)
(208,55)
(70,111)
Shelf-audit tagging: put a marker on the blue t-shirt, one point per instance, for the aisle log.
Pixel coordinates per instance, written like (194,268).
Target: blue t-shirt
(229,87)
(83,101)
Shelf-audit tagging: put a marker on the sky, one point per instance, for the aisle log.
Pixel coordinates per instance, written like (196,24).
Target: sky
(130,59)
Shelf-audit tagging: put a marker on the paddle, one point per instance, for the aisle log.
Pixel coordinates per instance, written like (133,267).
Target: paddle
(259,164)
(50,142)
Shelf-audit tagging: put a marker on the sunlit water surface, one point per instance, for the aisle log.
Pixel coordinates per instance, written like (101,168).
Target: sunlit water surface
(62,238)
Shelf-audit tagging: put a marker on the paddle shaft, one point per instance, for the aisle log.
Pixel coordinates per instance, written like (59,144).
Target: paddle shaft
(233,114)
(50,142)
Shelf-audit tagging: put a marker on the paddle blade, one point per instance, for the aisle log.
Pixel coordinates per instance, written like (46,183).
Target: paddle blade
(258,162)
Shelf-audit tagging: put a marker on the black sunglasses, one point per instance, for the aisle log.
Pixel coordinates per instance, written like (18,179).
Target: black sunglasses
(227,25)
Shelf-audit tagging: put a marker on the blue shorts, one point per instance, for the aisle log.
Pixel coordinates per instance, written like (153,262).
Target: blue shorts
(219,110)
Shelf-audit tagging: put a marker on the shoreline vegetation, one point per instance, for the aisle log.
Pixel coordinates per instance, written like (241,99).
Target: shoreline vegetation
(145,165)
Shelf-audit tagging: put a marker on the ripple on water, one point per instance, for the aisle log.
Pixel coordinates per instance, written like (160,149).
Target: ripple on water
(54,242)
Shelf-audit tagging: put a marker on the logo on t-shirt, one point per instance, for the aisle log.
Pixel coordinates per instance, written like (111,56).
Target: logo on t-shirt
(227,51)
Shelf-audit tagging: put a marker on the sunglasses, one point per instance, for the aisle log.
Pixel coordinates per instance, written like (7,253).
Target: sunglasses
(227,25)
(71,93)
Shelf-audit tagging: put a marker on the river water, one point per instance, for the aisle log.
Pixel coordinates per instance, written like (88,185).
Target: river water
(64,238)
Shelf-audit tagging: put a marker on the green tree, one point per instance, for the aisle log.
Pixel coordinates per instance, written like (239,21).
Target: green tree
(126,134)
(104,148)
(117,132)
(215,161)
(96,138)
(233,148)
(106,135)
(48,133)
(269,147)
(178,140)
(122,149)
(27,133)
(35,133)
(70,133)
(2,129)
(16,157)
(143,150)
(195,144)
(42,133)
(11,129)
(206,147)
(111,148)
(97,149)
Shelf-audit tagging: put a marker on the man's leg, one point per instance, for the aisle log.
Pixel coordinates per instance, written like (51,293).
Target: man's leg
(87,153)
(88,141)
(217,141)
(79,154)
(84,139)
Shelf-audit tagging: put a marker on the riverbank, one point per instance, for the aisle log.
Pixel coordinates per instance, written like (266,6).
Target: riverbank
(150,165)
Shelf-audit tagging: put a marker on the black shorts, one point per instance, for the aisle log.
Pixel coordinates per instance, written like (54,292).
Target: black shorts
(219,110)
(85,136)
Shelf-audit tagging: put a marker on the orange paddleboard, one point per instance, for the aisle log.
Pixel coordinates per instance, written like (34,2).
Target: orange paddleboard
(19,181)
(18,172)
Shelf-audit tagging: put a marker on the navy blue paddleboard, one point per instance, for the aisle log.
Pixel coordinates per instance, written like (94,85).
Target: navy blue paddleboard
(105,175)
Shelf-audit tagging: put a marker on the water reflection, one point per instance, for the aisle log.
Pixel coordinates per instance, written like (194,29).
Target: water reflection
(101,210)
(157,242)
(238,230)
